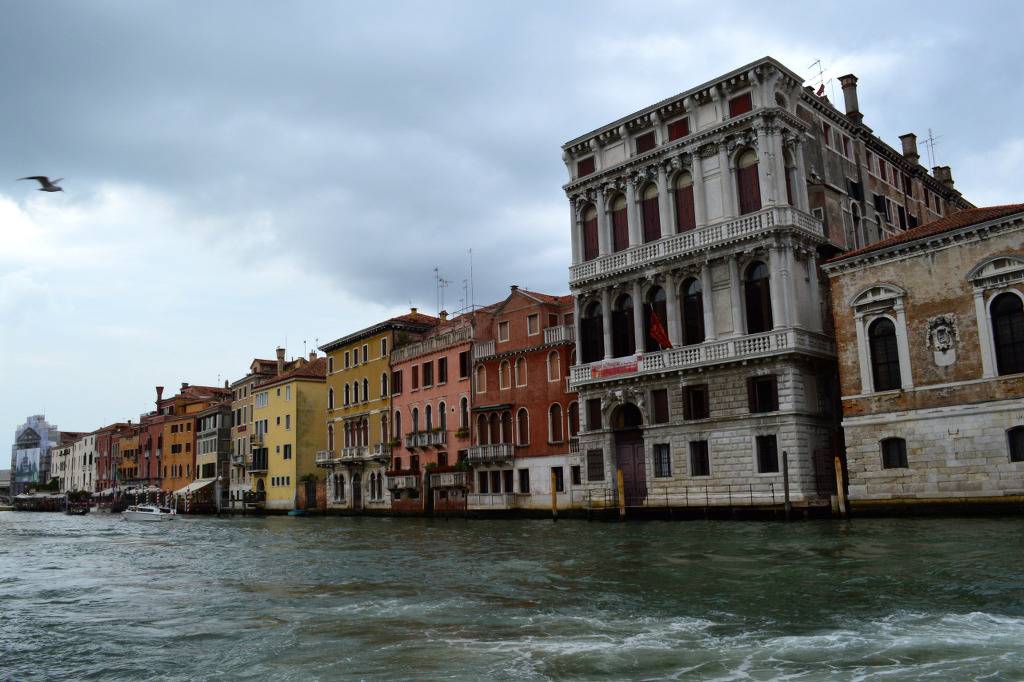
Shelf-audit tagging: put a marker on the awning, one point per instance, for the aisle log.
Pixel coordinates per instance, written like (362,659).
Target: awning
(194,486)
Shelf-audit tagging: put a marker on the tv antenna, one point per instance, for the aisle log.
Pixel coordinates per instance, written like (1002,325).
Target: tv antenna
(821,82)
(441,284)
(929,144)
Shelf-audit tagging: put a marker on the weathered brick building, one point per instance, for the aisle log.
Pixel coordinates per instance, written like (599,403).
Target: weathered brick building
(930,327)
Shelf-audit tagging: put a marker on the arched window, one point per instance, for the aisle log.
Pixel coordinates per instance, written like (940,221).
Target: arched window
(523,427)
(623,339)
(366,431)
(494,429)
(1007,311)
(885,358)
(649,211)
(655,306)
(442,418)
(355,391)
(348,395)
(686,217)
(692,311)
(366,390)
(592,331)
(747,183)
(481,379)
(554,366)
(330,437)
(384,385)
(620,224)
(348,434)
(415,419)
(757,291)
(429,416)
(482,435)
(521,372)
(590,242)
(555,423)
(384,428)
(339,488)
(464,413)
(506,427)
(574,419)
(1015,441)
(894,453)
(330,399)
(504,375)
(398,425)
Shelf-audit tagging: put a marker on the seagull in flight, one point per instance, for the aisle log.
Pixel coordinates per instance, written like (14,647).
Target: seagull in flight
(46,185)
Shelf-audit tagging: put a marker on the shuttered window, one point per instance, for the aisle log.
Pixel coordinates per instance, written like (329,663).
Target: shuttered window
(740,105)
(678,129)
(585,167)
(645,143)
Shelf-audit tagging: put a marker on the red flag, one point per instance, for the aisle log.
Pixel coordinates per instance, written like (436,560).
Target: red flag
(821,90)
(657,330)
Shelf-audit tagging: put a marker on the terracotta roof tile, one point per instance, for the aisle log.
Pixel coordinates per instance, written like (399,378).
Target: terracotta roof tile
(317,369)
(970,216)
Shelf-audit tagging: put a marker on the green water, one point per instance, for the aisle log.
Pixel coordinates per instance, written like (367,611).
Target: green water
(340,598)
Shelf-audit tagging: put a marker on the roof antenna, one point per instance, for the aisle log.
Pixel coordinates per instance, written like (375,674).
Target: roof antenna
(929,144)
(472,297)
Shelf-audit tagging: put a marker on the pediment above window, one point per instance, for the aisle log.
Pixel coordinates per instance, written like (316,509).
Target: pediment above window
(877,296)
(997,271)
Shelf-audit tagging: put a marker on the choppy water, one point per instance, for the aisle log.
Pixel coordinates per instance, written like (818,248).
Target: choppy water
(328,598)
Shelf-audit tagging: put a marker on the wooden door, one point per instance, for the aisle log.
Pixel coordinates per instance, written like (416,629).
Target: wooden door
(630,459)
(357,491)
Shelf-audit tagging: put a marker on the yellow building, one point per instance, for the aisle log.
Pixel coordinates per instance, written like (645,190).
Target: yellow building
(288,420)
(359,434)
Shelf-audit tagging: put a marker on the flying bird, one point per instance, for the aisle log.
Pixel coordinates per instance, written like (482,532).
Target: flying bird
(45,184)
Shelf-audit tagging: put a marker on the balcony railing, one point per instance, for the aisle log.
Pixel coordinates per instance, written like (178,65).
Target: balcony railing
(498,452)
(434,343)
(354,452)
(708,353)
(259,463)
(483,349)
(451,479)
(405,482)
(256,440)
(491,500)
(380,451)
(676,245)
(574,445)
(324,456)
(564,332)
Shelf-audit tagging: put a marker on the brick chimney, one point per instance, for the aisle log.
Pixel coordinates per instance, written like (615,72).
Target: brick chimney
(443,315)
(184,385)
(909,141)
(412,311)
(312,355)
(513,287)
(944,175)
(159,393)
(849,83)
(280,359)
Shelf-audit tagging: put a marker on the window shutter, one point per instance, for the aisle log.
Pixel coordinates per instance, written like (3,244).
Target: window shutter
(590,242)
(652,220)
(678,129)
(740,105)
(645,143)
(621,229)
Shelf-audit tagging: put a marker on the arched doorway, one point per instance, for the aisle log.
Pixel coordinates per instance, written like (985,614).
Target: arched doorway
(626,422)
(357,491)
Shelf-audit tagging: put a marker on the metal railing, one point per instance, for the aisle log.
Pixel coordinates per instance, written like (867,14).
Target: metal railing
(496,452)
(574,445)
(565,332)
(680,244)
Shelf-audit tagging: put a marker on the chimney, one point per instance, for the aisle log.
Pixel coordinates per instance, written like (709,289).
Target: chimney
(159,393)
(184,385)
(910,147)
(280,359)
(443,315)
(849,83)
(514,287)
(412,311)
(225,383)
(312,355)
(944,175)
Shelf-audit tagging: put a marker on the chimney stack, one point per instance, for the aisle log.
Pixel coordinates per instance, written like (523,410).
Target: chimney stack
(910,147)
(280,359)
(514,287)
(412,311)
(159,393)
(312,355)
(944,175)
(443,315)
(849,83)
(184,385)
(225,383)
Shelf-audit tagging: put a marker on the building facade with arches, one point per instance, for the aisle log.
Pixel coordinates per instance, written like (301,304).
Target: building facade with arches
(930,326)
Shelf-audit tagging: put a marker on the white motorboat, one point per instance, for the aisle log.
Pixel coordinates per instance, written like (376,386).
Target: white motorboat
(147,512)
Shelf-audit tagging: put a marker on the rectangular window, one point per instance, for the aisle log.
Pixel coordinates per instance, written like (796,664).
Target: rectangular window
(645,142)
(287,421)
(346,360)
(384,347)
(826,133)
(506,479)
(366,352)
(533,324)
(695,402)
(894,453)
(594,414)
(902,213)
(700,463)
(464,364)
(396,382)
(288,392)
(524,480)
(415,377)
(678,129)
(495,482)
(442,370)
(1015,439)
(503,331)
(595,465)
(763,394)
(740,105)
(428,374)
(585,167)
(576,475)
(767,455)
(659,398)
(662,460)
(559,479)
(287,451)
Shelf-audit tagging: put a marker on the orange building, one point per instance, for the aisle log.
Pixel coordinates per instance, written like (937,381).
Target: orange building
(178,465)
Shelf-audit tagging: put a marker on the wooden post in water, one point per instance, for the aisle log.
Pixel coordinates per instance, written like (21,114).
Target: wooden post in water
(840,493)
(785,482)
(622,493)
(554,497)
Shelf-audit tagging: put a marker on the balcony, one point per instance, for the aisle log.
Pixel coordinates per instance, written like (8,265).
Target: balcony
(483,349)
(354,452)
(238,458)
(434,343)
(683,244)
(451,479)
(259,463)
(498,452)
(324,457)
(704,354)
(491,501)
(404,482)
(256,440)
(381,451)
(565,332)
(574,445)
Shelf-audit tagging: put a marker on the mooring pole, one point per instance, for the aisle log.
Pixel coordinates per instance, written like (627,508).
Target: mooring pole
(785,482)
(840,493)
(622,493)
(554,497)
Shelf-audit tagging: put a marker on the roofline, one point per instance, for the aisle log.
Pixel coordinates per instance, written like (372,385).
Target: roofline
(387,325)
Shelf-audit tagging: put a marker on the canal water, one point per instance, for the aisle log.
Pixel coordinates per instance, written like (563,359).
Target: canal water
(99,598)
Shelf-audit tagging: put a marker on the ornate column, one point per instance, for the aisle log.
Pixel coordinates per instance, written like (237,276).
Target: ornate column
(775,287)
(727,176)
(735,296)
(800,181)
(866,384)
(699,205)
(817,316)
(789,291)
(632,215)
(664,207)
(988,365)
(576,230)
(603,242)
(778,154)
(578,328)
(672,311)
(606,321)
(639,333)
(710,334)
(902,346)
(765,176)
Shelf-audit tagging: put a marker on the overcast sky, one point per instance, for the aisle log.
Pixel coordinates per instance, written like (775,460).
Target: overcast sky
(244,174)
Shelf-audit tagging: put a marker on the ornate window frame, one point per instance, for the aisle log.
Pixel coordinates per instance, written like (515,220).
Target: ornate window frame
(871,303)
(993,276)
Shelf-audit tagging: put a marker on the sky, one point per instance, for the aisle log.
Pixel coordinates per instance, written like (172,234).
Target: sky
(243,175)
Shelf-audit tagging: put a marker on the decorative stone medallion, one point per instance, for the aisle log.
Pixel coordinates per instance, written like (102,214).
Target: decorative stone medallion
(942,337)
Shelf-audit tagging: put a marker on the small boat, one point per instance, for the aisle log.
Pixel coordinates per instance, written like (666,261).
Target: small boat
(77,510)
(147,512)
(296,512)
